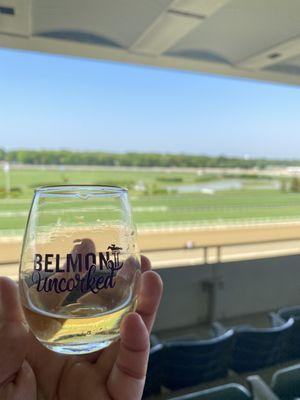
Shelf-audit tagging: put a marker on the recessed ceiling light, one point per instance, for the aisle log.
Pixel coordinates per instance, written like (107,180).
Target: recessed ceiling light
(7,10)
(272,55)
(15,17)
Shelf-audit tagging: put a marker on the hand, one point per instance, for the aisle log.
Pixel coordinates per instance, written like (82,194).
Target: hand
(29,371)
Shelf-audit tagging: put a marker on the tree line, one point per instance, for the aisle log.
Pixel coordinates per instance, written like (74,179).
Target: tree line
(134,159)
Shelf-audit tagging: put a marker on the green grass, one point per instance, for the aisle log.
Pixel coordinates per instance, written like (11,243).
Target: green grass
(28,179)
(231,205)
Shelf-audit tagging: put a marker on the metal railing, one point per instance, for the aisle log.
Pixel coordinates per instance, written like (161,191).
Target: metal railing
(218,247)
(207,250)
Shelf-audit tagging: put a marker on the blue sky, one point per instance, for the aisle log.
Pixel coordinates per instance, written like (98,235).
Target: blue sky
(58,102)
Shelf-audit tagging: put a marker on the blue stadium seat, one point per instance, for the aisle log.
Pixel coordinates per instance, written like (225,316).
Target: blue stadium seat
(293,349)
(188,363)
(153,378)
(286,383)
(225,392)
(257,348)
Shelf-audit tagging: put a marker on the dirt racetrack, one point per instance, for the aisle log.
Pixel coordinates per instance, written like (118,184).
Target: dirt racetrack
(169,244)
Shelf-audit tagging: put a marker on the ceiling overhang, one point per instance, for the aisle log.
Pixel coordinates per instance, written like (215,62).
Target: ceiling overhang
(258,39)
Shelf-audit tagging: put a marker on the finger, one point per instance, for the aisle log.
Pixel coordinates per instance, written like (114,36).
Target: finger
(128,274)
(150,296)
(10,306)
(145,263)
(13,330)
(148,303)
(80,381)
(23,387)
(126,380)
(106,359)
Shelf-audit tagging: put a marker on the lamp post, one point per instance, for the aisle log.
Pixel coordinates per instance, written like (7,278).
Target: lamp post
(6,170)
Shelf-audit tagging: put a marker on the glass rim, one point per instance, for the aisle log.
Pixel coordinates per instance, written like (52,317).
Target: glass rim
(113,189)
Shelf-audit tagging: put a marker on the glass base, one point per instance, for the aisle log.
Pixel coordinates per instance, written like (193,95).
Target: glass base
(77,349)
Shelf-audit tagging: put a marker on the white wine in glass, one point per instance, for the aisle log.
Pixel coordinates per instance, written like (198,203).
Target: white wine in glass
(80,266)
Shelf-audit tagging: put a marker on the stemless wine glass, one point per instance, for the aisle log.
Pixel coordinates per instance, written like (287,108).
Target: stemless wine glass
(80,266)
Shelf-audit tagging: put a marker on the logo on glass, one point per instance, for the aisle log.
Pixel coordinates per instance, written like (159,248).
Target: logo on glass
(80,271)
